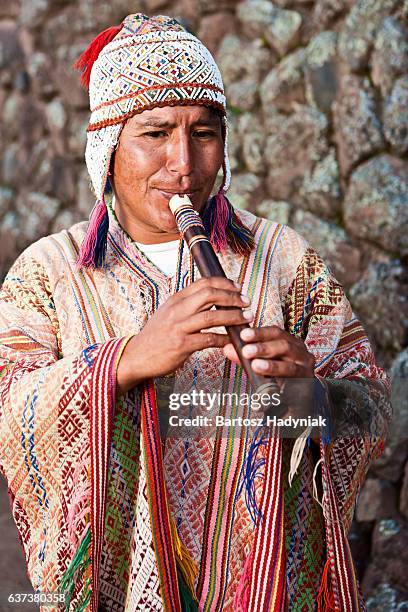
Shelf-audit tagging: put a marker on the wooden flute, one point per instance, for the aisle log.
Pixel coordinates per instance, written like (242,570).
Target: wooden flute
(193,232)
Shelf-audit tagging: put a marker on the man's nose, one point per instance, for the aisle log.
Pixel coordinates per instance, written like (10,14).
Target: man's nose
(180,155)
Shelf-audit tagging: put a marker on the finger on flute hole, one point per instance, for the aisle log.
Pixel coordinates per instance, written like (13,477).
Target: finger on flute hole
(250,350)
(230,353)
(248,334)
(260,365)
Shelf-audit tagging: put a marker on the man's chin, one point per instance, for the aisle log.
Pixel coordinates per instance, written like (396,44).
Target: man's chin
(164,218)
(168,225)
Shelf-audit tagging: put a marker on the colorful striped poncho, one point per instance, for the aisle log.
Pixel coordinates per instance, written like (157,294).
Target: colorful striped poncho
(119,518)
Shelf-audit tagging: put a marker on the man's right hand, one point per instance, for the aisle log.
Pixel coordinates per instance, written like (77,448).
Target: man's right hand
(176,330)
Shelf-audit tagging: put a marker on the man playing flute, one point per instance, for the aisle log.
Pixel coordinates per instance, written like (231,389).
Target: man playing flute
(92,318)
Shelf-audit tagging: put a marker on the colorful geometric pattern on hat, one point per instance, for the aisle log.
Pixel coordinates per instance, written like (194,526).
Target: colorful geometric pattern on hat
(138,23)
(142,71)
(151,62)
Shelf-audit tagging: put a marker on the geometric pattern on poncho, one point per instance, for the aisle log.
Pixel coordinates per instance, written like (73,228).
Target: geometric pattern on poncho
(304,532)
(44,320)
(120,516)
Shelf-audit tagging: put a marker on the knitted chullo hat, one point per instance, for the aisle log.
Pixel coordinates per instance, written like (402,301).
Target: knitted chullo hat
(142,64)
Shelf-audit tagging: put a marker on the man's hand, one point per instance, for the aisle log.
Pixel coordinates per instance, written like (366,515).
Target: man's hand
(176,330)
(274,352)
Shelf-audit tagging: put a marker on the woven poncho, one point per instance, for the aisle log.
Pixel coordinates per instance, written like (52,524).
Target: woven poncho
(112,513)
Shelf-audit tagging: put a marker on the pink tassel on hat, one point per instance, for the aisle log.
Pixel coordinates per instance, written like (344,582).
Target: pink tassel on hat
(220,222)
(93,248)
(224,227)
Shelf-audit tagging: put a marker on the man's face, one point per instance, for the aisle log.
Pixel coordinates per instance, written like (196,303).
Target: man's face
(162,152)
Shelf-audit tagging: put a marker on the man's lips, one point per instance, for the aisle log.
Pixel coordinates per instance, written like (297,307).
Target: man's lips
(170,193)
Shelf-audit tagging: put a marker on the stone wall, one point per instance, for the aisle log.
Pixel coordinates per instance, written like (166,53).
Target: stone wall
(318,99)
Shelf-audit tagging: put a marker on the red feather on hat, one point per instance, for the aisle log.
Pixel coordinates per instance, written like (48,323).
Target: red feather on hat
(88,57)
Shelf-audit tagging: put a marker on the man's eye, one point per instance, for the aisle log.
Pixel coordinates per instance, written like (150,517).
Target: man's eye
(156,134)
(205,133)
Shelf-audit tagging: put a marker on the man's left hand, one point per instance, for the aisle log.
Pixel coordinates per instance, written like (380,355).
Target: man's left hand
(274,352)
